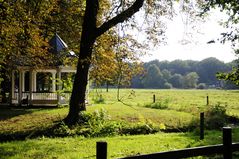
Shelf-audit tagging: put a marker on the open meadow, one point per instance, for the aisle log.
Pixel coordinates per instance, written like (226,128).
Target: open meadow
(174,111)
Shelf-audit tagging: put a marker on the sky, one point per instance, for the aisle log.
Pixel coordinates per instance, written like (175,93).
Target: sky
(198,49)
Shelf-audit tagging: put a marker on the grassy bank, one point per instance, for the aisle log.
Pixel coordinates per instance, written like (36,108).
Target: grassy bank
(182,106)
(175,109)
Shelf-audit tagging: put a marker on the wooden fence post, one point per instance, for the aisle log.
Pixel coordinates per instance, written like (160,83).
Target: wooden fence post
(154,98)
(107,86)
(207,100)
(101,150)
(227,143)
(201,125)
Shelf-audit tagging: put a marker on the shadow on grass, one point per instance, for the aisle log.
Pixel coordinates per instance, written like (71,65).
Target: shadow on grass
(46,131)
(6,153)
(20,123)
(8,112)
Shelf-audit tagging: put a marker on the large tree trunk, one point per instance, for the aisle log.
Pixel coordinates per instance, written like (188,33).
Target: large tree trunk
(77,101)
(89,34)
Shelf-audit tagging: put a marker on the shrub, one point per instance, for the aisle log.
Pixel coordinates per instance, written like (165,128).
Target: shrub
(140,128)
(97,124)
(62,130)
(167,85)
(215,116)
(162,104)
(201,86)
(109,129)
(99,99)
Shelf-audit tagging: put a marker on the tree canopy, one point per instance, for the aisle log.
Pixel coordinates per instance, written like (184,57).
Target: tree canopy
(27,26)
(232,9)
(183,74)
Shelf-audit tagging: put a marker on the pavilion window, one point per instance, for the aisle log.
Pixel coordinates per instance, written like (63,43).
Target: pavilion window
(27,76)
(44,82)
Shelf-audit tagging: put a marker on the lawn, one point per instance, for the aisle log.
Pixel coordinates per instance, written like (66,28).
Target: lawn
(180,108)
(118,146)
(183,105)
(78,147)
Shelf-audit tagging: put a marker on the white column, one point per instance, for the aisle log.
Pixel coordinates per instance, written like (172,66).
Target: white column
(30,86)
(20,87)
(12,86)
(23,81)
(59,86)
(34,79)
(53,81)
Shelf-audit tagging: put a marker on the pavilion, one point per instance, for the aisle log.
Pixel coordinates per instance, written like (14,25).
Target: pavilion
(39,86)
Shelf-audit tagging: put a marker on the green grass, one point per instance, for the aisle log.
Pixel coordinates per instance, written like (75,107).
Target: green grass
(119,146)
(28,120)
(178,99)
(78,147)
(182,107)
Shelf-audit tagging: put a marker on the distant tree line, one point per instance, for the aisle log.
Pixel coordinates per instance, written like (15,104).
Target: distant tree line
(183,74)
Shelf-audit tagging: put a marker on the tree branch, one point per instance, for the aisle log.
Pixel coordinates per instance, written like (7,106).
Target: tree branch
(120,17)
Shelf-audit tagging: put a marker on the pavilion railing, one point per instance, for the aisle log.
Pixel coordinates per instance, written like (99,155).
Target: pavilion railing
(42,95)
